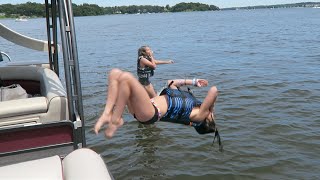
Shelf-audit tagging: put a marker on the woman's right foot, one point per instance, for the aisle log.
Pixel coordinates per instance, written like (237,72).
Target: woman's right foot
(112,128)
(104,119)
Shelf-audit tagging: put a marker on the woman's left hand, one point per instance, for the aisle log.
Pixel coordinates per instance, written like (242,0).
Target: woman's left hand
(201,82)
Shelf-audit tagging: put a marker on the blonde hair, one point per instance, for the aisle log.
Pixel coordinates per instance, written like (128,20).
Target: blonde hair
(142,51)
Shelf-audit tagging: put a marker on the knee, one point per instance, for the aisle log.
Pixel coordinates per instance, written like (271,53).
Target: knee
(114,73)
(126,76)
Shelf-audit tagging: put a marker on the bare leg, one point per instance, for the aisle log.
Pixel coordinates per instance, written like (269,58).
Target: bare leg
(113,89)
(129,92)
(151,92)
(208,104)
(113,92)
(122,100)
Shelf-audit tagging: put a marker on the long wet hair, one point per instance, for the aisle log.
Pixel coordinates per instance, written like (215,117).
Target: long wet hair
(209,126)
(142,51)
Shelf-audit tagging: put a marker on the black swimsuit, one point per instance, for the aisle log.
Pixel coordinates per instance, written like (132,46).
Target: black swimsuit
(154,119)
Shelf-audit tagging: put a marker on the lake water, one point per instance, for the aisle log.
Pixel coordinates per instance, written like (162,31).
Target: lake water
(265,64)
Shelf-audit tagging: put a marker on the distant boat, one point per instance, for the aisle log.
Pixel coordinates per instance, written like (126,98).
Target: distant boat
(21,19)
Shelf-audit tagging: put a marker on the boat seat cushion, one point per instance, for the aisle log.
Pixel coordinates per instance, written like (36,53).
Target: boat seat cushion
(23,107)
(48,168)
(84,164)
(81,164)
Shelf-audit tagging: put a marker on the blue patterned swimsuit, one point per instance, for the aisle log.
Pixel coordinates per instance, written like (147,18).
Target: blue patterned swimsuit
(180,105)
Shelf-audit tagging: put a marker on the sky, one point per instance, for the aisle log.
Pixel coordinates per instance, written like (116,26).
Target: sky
(219,3)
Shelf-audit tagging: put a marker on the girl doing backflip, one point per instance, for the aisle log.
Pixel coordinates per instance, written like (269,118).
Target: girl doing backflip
(172,105)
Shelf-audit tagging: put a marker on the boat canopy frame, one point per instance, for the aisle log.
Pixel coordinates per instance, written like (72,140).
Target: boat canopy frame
(62,10)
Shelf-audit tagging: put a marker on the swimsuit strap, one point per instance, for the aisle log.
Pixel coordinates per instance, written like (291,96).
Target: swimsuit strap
(154,104)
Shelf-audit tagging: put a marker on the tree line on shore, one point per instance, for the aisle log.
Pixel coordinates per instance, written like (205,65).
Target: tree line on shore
(292,5)
(31,9)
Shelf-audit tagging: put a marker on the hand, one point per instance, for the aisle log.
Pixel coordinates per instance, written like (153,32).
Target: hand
(201,82)
(151,54)
(170,61)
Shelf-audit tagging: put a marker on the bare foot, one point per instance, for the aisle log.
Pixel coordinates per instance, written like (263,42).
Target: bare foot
(112,128)
(104,119)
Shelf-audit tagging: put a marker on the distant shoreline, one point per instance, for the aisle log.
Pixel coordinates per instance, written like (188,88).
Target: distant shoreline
(37,9)
(292,5)
(95,10)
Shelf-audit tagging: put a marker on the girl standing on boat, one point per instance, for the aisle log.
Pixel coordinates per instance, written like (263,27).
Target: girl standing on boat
(172,105)
(146,64)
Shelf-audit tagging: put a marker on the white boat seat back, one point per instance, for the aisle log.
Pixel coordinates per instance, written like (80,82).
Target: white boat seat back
(52,106)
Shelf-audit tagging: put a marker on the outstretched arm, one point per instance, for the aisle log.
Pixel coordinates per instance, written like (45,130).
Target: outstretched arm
(185,82)
(164,61)
(169,61)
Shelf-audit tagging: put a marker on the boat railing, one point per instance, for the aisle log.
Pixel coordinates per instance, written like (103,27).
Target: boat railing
(4,54)
(70,58)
